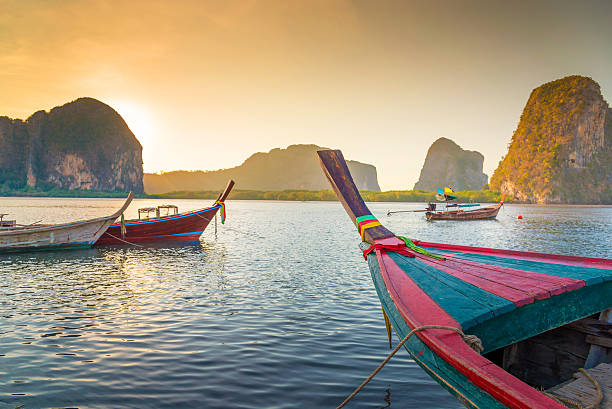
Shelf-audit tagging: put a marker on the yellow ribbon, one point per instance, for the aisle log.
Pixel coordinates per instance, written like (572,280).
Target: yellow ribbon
(367,226)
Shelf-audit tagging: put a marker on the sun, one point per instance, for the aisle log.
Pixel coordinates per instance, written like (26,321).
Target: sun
(138,118)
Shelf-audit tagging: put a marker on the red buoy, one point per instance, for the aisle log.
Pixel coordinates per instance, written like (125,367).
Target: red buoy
(520,217)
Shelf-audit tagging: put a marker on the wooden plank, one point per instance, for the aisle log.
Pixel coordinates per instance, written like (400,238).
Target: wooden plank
(600,353)
(482,279)
(465,302)
(524,255)
(521,287)
(588,275)
(601,341)
(531,280)
(592,326)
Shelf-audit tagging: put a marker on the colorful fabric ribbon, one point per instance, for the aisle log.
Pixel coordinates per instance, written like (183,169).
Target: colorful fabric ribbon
(223,214)
(403,250)
(365,222)
(418,249)
(123,230)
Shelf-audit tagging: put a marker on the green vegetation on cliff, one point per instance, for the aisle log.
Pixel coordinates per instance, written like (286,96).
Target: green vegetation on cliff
(485,196)
(561,151)
(82,145)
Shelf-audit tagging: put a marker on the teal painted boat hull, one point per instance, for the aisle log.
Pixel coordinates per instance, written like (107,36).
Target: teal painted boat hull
(470,395)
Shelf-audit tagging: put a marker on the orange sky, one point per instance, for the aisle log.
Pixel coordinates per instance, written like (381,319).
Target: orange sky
(203,84)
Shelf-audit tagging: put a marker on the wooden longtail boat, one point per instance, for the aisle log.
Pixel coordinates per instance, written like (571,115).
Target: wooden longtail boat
(79,234)
(540,317)
(489,212)
(184,227)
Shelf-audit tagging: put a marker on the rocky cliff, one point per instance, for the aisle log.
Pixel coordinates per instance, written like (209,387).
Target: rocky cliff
(447,164)
(296,167)
(561,151)
(84,144)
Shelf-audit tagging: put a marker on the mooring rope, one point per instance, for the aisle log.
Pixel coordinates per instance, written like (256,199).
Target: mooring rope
(235,230)
(578,405)
(126,242)
(472,340)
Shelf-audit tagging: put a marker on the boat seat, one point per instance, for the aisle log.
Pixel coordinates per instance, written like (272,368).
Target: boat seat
(581,390)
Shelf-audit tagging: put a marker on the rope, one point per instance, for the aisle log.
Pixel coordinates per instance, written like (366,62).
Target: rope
(472,340)
(126,242)
(578,405)
(600,394)
(235,230)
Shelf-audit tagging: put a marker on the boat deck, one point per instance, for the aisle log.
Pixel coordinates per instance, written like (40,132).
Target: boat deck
(583,391)
(477,287)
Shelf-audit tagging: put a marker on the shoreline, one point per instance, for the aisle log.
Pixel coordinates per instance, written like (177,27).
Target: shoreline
(120,195)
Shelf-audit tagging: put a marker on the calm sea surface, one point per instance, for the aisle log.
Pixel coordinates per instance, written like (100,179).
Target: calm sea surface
(277,310)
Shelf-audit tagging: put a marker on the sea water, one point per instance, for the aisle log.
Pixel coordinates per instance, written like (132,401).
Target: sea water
(275,310)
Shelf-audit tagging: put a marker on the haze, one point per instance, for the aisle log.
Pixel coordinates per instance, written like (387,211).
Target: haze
(204,84)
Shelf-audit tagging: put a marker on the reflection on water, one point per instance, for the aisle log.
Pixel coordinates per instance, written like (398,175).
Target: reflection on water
(289,321)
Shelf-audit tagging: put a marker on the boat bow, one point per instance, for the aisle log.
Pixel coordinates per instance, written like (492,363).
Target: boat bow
(471,292)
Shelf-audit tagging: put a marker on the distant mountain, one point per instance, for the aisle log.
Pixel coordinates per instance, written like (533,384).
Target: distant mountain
(296,167)
(447,164)
(561,151)
(84,144)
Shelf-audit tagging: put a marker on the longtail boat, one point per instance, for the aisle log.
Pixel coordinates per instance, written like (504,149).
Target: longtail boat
(184,227)
(532,320)
(489,212)
(35,237)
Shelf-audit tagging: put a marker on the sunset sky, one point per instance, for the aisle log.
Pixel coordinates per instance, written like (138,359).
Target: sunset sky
(204,84)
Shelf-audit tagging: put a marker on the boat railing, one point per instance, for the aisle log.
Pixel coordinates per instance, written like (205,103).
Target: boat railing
(160,211)
(6,223)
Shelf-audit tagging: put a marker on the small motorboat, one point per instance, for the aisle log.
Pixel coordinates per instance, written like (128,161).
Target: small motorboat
(496,328)
(488,212)
(454,211)
(35,237)
(166,223)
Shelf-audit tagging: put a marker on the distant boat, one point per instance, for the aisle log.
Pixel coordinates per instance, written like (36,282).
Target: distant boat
(184,227)
(489,212)
(507,323)
(36,237)
(434,211)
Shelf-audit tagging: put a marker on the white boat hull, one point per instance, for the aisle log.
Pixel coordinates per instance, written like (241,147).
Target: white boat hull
(80,234)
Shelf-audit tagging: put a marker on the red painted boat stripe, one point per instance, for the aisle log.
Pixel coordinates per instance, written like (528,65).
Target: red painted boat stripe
(417,309)
(518,286)
(555,284)
(517,296)
(524,255)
